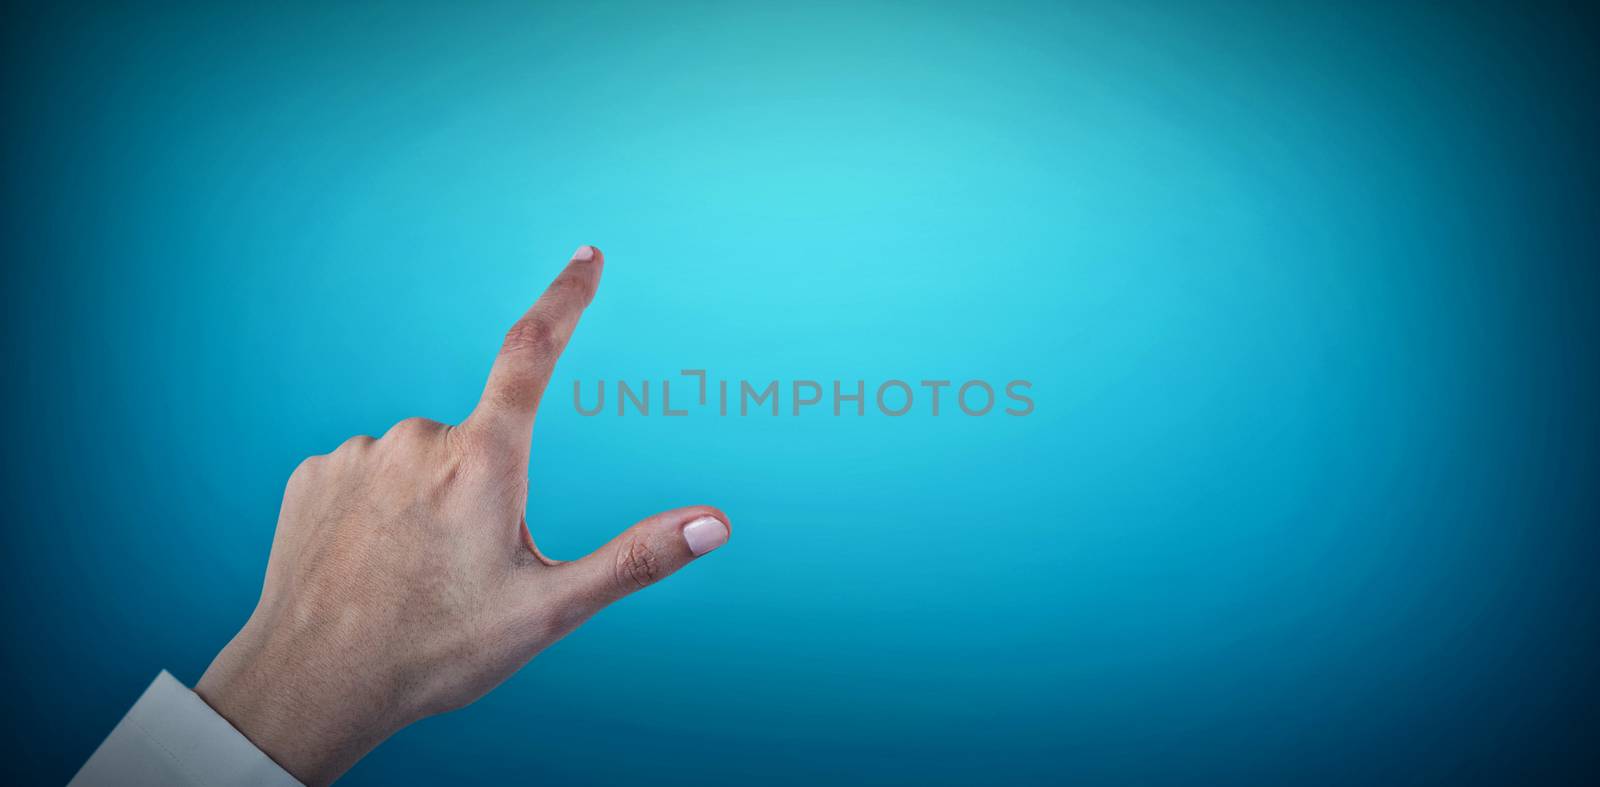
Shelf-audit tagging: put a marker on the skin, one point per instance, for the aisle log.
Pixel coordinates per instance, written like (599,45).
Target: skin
(403,581)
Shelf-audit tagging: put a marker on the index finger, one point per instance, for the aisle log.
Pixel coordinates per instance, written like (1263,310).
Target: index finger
(528,355)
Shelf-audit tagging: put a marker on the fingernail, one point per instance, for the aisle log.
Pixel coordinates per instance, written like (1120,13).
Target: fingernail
(583,254)
(705,534)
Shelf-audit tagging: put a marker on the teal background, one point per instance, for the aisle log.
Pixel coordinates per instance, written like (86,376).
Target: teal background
(1306,292)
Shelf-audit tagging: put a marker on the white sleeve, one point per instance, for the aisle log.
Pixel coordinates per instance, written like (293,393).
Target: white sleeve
(171,736)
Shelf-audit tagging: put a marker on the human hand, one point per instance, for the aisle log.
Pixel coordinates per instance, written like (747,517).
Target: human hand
(403,581)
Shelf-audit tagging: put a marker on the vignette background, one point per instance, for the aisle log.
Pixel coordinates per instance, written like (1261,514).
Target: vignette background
(1306,292)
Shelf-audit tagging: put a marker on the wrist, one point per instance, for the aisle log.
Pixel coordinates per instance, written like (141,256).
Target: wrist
(309,717)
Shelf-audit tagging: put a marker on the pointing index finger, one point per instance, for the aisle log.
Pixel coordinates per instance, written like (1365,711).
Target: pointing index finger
(522,369)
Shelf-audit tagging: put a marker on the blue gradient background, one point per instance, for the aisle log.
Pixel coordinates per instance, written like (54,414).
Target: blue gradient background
(1307,296)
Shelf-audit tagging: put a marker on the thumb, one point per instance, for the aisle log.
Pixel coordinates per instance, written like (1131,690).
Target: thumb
(647,552)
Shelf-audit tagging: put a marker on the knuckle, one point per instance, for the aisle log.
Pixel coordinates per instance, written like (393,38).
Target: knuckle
(412,427)
(354,445)
(637,566)
(307,468)
(534,333)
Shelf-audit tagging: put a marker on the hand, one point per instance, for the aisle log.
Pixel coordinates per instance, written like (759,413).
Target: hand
(403,581)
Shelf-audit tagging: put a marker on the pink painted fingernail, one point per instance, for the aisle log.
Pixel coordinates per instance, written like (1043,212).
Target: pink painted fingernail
(583,254)
(705,534)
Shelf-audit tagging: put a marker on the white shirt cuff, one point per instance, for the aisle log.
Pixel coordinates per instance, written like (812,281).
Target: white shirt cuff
(171,736)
